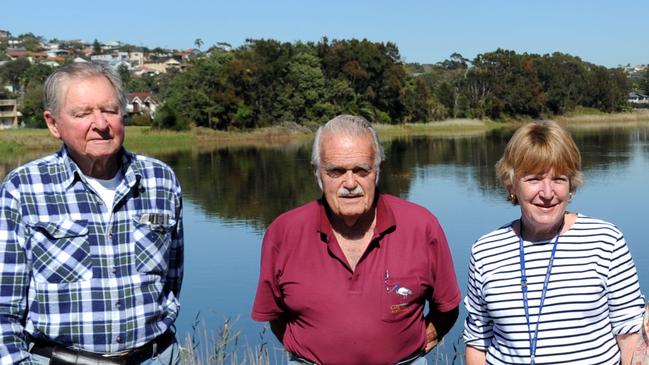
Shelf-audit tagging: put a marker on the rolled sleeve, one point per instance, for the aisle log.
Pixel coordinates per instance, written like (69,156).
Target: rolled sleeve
(446,292)
(626,303)
(478,327)
(267,305)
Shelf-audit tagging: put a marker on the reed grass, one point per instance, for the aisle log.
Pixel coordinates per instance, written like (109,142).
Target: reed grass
(224,345)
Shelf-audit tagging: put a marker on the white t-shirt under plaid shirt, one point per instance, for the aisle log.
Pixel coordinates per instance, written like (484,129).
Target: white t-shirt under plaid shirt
(71,273)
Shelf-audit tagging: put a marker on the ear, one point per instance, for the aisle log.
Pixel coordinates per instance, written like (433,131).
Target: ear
(50,120)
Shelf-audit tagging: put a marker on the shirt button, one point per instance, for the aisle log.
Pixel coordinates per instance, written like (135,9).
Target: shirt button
(118,339)
(114,270)
(118,305)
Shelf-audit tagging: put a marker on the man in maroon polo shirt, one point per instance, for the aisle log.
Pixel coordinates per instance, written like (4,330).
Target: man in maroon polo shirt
(345,279)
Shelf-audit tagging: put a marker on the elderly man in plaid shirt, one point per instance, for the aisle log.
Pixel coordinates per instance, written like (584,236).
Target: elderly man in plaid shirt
(91,240)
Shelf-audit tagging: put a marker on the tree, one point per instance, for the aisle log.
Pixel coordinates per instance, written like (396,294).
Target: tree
(31,42)
(198,43)
(644,82)
(124,74)
(12,72)
(31,106)
(96,47)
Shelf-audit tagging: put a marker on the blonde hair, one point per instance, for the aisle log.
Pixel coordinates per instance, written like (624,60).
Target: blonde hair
(536,148)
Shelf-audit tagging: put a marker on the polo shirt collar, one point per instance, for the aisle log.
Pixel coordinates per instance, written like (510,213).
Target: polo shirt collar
(385,221)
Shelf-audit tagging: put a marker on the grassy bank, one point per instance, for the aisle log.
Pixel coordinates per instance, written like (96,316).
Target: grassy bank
(22,143)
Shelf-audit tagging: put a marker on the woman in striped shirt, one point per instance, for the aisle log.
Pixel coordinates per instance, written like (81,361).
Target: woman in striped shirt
(554,286)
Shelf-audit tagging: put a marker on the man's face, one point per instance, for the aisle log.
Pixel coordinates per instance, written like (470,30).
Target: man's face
(89,121)
(348,175)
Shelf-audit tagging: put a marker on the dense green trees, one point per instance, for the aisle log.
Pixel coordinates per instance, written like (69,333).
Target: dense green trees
(266,82)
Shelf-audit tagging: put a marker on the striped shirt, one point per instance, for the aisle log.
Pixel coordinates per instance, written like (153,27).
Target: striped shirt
(593,295)
(75,275)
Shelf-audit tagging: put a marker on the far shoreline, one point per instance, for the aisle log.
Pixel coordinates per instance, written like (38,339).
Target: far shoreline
(21,143)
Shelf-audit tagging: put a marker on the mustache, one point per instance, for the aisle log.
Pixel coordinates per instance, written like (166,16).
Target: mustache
(345,193)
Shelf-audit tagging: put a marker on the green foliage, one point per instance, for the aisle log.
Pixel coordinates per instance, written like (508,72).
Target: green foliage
(31,106)
(141,120)
(31,42)
(96,47)
(12,72)
(643,84)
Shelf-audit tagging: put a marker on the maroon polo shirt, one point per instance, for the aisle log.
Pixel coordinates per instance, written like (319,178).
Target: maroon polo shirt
(373,315)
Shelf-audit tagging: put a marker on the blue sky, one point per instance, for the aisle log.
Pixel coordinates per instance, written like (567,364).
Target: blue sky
(608,33)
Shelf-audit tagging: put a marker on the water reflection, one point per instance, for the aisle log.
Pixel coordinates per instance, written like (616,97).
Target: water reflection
(255,185)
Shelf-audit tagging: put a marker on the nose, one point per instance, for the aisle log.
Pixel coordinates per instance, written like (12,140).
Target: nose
(349,180)
(99,120)
(546,191)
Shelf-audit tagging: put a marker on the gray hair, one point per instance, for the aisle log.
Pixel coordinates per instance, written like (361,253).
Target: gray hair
(348,125)
(53,88)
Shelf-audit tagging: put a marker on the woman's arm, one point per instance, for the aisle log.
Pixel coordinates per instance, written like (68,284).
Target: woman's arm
(477,357)
(627,345)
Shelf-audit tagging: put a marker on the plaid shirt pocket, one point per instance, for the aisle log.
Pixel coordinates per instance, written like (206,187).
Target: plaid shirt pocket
(152,243)
(60,251)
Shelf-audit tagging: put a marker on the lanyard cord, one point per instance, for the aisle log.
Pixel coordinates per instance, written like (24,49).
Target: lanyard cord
(533,339)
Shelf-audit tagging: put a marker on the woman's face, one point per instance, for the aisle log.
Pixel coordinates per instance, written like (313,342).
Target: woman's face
(543,199)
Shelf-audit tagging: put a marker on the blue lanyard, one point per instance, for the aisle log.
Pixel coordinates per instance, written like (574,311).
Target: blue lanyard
(534,338)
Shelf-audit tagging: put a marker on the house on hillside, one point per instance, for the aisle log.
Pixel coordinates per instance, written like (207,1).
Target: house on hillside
(14,53)
(9,114)
(637,99)
(141,103)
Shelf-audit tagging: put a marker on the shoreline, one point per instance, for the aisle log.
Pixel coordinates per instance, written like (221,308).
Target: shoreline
(30,142)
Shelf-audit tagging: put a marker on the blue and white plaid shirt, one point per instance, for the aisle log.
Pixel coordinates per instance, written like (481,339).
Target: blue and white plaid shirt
(69,275)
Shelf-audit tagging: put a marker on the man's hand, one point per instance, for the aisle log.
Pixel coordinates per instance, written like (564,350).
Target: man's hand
(437,325)
(431,337)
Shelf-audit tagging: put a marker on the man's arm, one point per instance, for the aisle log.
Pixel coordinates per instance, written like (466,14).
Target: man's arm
(437,325)
(475,356)
(14,281)
(278,326)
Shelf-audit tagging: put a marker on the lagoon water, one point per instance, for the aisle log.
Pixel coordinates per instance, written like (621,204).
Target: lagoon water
(232,194)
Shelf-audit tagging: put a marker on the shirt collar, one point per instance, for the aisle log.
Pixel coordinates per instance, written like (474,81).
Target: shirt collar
(72,173)
(385,222)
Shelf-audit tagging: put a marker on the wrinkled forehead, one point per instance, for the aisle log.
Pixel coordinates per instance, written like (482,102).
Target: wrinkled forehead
(69,82)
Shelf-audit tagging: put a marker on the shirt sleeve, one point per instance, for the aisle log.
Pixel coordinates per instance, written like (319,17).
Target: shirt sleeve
(267,306)
(478,327)
(446,292)
(176,254)
(625,302)
(14,281)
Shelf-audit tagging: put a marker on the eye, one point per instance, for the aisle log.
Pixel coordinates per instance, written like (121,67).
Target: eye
(335,172)
(561,179)
(531,178)
(110,110)
(361,171)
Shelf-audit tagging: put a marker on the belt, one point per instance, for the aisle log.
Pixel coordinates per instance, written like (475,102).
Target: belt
(409,360)
(60,355)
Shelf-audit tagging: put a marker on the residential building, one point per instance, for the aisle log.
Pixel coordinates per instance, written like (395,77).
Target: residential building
(637,99)
(141,103)
(136,58)
(9,114)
